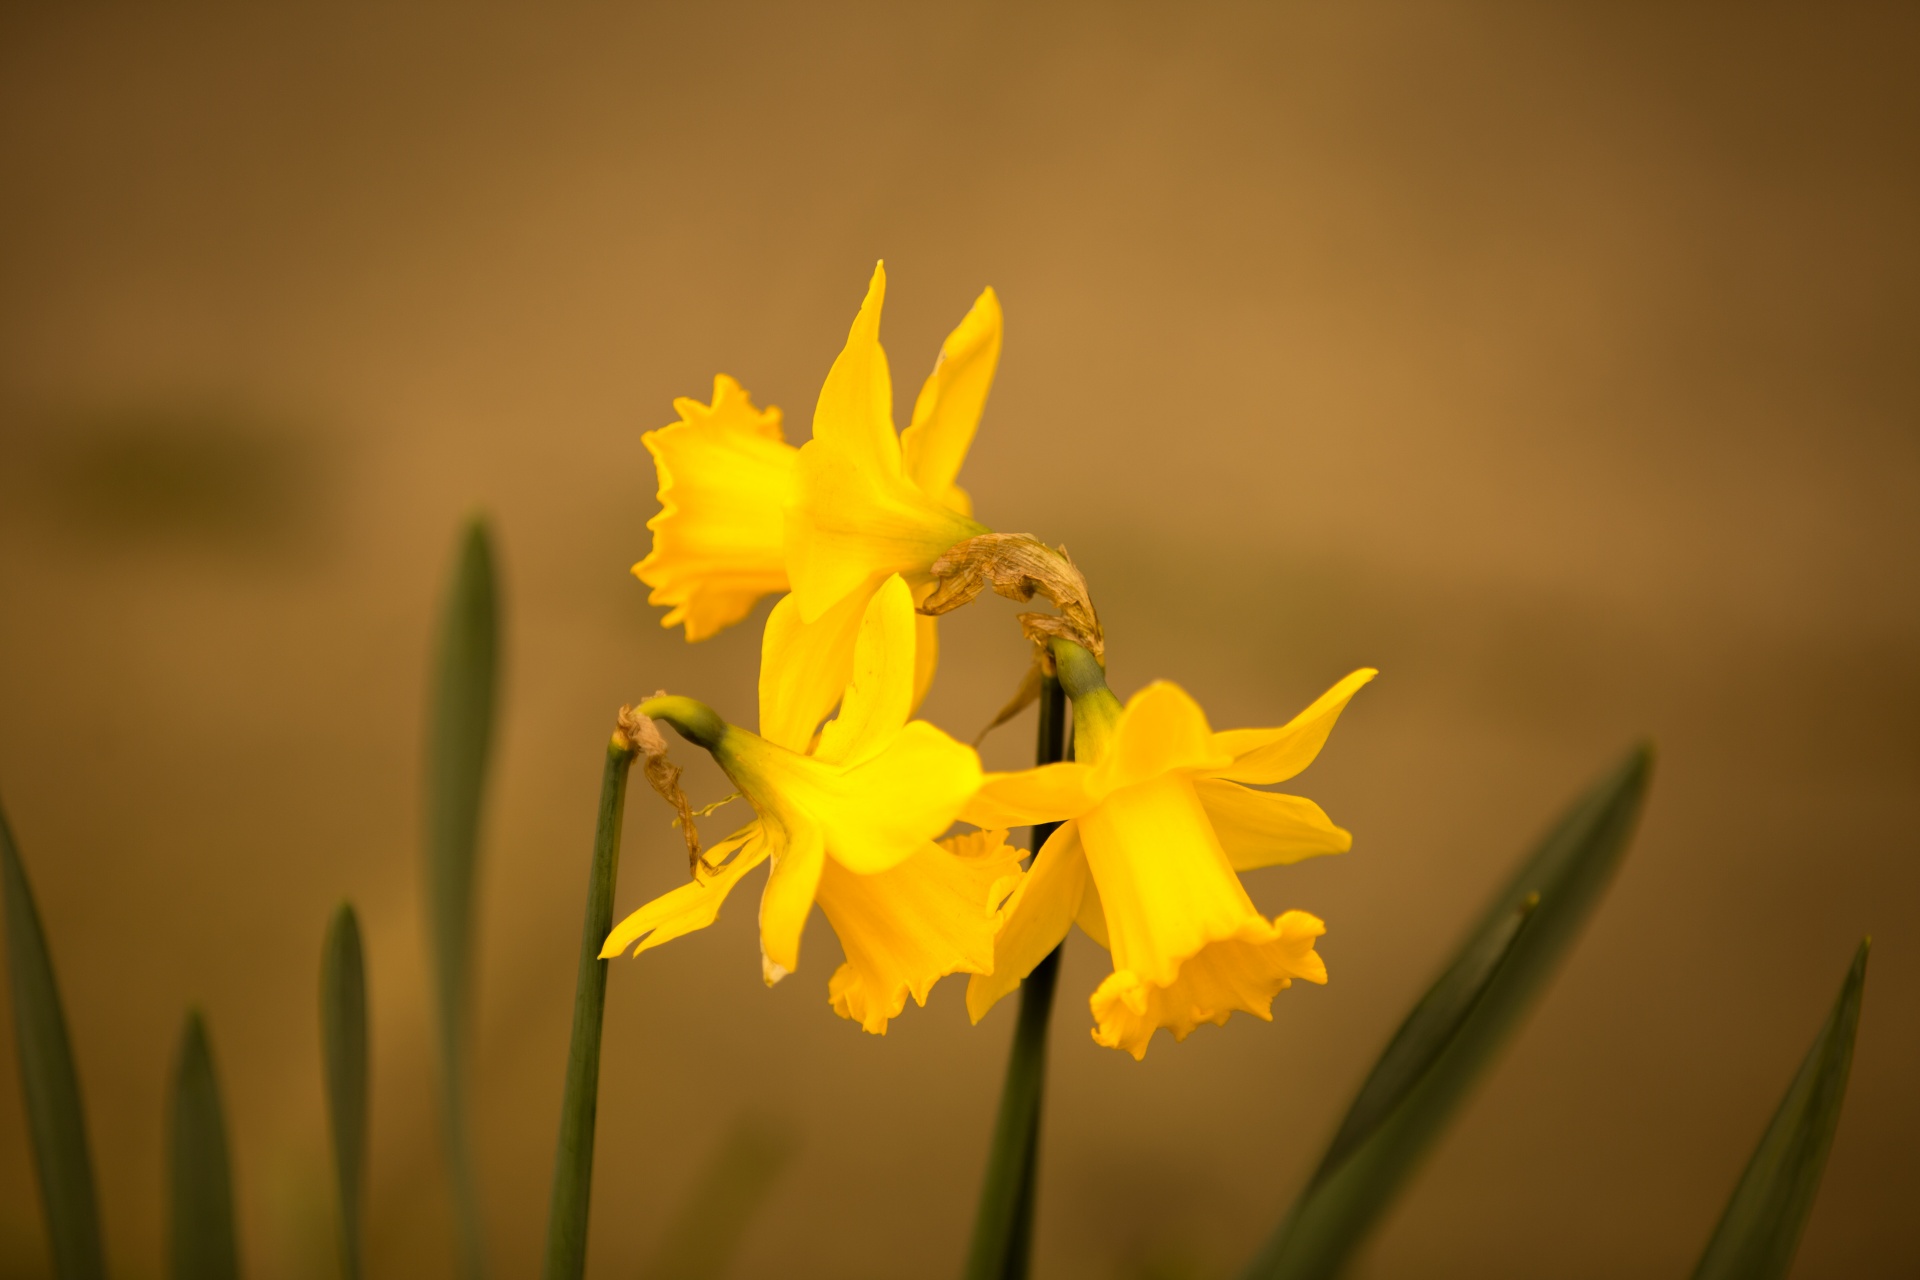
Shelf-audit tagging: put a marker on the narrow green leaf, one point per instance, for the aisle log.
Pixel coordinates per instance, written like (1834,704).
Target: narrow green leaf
(1002,1246)
(573,1161)
(1455,1029)
(343,1044)
(460,730)
(1760,1229)
(1433,1025)
(705,1235)
(200,1243)
(47,1078)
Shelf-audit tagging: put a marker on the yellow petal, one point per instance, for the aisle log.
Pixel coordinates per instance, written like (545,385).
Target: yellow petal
(1264,829)
(805,667)
(948,410)
(1240,973)
(1049,793)
(1092,916)
(854,522)
(1037,918)
(691,906)
(870,815)
(787,899)
(1165,883)
(926,656)
(857,516)
(906,928)
(726,481)
(1161,730)
(1274,755)
(879,698)
(855,410)
(879,812)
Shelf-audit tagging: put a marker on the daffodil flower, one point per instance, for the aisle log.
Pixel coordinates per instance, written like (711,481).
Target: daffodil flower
(1158,823)
(744,514)
(726,478)
(849,821)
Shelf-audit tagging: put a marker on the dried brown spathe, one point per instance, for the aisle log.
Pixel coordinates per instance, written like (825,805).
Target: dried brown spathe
(1019,566)
(643,736)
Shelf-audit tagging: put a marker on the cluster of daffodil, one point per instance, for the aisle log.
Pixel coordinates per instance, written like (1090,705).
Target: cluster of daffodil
(869,536)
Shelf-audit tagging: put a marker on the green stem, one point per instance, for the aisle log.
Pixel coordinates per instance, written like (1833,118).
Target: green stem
(695,721)
(573,1161)
(1096,712)
(1002,1246)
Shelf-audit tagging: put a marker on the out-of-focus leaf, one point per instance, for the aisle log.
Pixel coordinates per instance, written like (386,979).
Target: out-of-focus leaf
(460,729)
(1760,1228)
(704,1236)
(343,1044)
(200,1243)
(1002,1245)
(47,1078)
(573,1160)
(1452,1033)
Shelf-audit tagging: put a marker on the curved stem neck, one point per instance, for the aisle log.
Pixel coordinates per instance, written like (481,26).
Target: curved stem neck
(697,722)
(1095,710)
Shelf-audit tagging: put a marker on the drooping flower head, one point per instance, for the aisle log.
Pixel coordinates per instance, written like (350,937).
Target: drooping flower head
(744,514)
(1158,823)
(849,821)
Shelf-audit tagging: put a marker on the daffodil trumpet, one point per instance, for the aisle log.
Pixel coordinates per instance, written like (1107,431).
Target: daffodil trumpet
(1157,821)
(850,819)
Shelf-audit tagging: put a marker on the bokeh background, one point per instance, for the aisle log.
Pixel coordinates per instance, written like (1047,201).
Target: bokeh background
(1558,360)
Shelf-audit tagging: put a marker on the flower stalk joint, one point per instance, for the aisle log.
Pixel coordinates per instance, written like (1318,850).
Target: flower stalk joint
(694,721)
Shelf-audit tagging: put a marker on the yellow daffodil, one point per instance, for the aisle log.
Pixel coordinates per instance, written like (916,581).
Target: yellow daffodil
(726,478)
(1158,822)
(850,824)
(744,514)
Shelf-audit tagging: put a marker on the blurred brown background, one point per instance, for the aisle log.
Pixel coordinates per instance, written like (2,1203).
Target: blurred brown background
(1559,360)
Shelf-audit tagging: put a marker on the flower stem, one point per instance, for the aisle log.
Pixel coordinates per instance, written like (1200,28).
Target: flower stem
(1002,1246)
(573,1161)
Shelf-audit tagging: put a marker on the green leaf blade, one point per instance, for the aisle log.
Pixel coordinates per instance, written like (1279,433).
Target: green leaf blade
(1760,1229)
(572,1195)
(56,1119)
(343,1044)
(201,1242)
(1450,1036)
(1434,1024)
(460,735)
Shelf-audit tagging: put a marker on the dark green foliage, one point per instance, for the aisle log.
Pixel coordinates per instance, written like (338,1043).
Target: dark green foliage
(343,1048)
(200,1238)
(1453,1032)
(1761,1226)
(460,732)
(47,1078)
